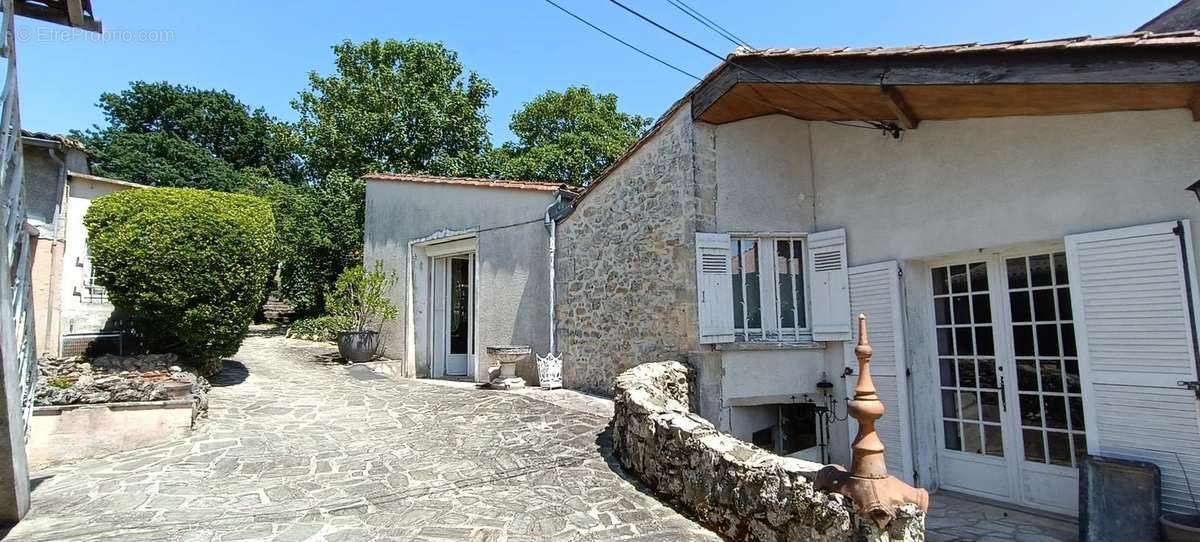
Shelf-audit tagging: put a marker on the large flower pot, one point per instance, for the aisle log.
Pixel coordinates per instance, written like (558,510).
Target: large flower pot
(358,346)
(1181,527)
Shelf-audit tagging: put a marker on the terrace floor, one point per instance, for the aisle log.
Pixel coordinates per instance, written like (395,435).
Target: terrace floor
(298,448)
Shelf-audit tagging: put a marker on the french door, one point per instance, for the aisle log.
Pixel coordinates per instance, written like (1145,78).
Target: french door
(1011,404)
(453,315)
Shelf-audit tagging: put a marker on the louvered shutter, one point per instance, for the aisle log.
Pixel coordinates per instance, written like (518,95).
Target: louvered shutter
(830,286)
(1134,328)
(714,287)
(875,292)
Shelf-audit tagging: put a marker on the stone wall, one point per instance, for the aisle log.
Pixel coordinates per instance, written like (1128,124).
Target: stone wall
(625,266)
(735,489)
(108,379)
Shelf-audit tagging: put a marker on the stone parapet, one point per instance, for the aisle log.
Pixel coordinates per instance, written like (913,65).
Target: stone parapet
(736,489)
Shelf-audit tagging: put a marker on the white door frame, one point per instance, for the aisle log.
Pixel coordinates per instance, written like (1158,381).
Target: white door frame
(444,272)
(1001,469)
(1002,337)
(429,252)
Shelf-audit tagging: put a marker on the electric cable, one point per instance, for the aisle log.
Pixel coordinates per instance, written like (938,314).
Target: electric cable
(698,78)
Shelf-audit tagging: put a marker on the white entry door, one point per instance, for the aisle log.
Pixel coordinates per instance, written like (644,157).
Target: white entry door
(454,315)
(1012,416)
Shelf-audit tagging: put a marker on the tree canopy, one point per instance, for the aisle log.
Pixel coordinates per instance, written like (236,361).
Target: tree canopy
(159,159)
(568,136)
(171,121)
(394,106)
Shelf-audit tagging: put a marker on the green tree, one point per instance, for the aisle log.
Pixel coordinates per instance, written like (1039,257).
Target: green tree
(159,159)
(303,248)
(212,120)
(568,136)
(188,266)
(320,232)
(394,106)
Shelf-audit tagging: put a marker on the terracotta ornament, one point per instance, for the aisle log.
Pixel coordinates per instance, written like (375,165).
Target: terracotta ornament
(876,494)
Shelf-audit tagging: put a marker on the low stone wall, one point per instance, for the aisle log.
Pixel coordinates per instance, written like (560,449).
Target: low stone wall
(732,487)
(63,433)
(119,379)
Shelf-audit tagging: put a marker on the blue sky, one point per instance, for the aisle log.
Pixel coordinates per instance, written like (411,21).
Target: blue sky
(262,52)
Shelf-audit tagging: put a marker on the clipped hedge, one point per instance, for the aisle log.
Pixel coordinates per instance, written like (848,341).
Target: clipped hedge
(320,328)
(189,266)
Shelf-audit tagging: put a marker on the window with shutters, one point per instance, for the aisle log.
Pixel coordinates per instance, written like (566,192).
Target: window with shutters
(769,301)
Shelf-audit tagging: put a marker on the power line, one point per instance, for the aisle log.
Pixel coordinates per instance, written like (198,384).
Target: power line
(854,110)
(623,42)
(668,30)
(712,25)
(680,70)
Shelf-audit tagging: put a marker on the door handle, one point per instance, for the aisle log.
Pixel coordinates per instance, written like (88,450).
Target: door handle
(1003,396)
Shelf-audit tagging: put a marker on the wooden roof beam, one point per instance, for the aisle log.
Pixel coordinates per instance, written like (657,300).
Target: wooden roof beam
(895,102)
(1090,65)
(71,13)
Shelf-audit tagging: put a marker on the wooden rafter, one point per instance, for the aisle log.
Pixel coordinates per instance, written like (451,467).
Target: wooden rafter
(72,13)
(1083,66)
(895,102)
(75,12)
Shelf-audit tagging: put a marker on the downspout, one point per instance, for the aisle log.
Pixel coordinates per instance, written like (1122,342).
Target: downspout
(551,223)
(55,264)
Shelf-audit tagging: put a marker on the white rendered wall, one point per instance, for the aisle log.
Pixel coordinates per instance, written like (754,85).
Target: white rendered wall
(955,187)
(77,316)
(512,284)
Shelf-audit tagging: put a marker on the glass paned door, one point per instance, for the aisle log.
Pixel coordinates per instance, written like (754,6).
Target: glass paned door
(1017,438)
(1047,368)
(968,375)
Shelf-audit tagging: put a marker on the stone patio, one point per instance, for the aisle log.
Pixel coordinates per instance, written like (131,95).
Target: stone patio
(956,517)
(298,448)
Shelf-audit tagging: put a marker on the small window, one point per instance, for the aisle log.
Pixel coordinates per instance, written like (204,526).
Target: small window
(769,289)
(792,429)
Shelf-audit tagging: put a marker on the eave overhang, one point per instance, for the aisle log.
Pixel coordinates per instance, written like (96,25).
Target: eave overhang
(1084,75)
(72,13)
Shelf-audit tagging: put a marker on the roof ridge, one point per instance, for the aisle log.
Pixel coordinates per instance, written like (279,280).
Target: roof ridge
(1128,39)
(470,181)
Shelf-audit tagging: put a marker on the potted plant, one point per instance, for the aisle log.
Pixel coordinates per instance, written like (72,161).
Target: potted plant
(359,297)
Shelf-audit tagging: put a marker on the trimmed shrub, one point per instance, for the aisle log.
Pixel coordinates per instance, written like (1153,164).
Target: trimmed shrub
(320,328)
(189,266)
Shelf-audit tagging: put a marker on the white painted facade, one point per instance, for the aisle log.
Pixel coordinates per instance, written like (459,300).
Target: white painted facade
(985,191)
(419,230)
(86,313)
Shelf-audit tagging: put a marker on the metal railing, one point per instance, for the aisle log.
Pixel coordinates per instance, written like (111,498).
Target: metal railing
(17,344)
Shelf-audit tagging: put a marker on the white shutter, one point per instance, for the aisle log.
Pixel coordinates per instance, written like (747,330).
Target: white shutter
(875,292)
(1134,330)
(714,287)
(829,285)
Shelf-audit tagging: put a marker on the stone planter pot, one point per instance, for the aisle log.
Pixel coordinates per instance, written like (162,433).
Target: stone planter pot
(1181,527)
(508,356)
(358,346)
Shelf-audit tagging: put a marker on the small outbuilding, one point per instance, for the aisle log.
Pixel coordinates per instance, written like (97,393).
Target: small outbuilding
(473,265)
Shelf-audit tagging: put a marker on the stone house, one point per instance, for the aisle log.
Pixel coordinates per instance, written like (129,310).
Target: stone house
(47,159)
(473,269)
(1013,218)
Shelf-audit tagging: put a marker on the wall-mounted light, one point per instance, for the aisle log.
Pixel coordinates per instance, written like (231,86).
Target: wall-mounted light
(1195,188)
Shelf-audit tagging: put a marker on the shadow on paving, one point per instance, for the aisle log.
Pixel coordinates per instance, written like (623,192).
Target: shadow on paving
(232,373)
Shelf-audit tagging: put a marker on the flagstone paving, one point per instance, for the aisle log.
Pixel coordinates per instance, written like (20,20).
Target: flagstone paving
(958,518)
(297,448)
